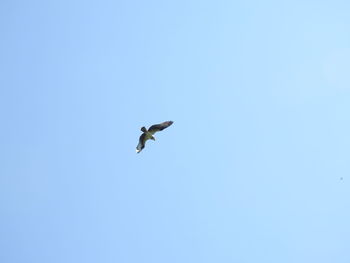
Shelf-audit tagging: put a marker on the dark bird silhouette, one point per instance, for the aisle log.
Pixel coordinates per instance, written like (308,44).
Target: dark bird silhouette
(148,134)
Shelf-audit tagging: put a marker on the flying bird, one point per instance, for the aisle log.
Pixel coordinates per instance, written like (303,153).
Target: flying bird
(148,134)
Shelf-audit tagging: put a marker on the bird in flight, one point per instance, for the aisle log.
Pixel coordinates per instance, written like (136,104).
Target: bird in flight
(148,134)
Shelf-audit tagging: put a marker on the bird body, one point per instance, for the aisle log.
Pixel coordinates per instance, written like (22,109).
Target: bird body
(148,134)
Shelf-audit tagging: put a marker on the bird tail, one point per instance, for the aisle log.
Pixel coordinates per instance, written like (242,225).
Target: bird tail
(143,129)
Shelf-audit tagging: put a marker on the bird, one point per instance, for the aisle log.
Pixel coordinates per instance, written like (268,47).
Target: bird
(148,134)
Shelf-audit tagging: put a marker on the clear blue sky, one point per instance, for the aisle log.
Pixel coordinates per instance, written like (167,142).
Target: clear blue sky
(254,169)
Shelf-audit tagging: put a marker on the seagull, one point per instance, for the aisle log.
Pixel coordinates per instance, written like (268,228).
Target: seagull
(148,134)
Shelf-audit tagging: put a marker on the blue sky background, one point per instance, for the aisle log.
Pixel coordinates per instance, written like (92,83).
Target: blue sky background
(255,168)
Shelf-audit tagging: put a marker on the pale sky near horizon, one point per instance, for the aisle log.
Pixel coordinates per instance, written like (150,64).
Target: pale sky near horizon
(255,167)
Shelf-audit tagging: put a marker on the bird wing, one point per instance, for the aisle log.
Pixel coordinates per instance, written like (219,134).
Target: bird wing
(142,142)
(159,127)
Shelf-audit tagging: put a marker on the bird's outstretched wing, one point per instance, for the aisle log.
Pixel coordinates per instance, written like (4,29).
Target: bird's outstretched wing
(159,127)
(142,142)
